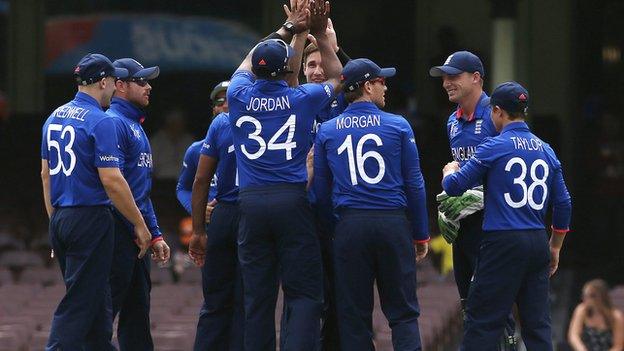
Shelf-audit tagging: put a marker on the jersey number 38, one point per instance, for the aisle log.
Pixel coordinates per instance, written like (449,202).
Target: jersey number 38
(528,190)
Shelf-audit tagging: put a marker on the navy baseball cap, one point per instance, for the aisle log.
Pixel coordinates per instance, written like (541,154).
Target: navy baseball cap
(511,97)
(219,88)
(459,62)
(93,67)
(136,70)
(272,56)
(361,70)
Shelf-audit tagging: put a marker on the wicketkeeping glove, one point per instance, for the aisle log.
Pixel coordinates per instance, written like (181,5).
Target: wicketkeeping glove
(448,228)
(459,207)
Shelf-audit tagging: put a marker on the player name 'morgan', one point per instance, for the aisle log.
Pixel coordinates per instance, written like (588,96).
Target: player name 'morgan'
(358,121)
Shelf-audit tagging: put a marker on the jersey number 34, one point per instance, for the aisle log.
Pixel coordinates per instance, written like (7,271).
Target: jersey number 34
(287,145)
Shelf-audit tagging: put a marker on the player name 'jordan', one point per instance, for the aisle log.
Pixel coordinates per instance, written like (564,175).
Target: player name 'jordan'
(358,121)
(268,104)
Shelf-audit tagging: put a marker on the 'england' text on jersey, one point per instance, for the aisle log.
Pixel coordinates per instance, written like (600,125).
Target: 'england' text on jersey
(268,104)
(358,121)
(463,153)
(69,111)
(527,144)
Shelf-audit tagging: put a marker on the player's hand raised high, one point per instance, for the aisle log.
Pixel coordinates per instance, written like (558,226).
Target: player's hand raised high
(298,15)
(319,13)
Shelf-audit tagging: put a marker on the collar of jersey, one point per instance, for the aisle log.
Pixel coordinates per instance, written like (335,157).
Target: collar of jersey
(271,83)
(480,110)
(84,98)
(515,125)
(361,105)
(127,109)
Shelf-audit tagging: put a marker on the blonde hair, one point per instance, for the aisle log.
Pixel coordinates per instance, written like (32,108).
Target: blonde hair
(603,304)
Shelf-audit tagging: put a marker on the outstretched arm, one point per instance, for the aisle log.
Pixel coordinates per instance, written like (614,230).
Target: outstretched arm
(318,28)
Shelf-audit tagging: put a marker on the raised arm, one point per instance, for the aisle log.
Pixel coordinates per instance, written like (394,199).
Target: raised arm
(318,28)
(297,21)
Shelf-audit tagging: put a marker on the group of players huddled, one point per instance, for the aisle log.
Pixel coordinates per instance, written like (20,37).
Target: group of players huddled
(315,189)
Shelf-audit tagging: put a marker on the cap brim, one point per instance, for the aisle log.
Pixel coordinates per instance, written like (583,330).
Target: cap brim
(148,73)
(120,72)
(439,71)
(387,72)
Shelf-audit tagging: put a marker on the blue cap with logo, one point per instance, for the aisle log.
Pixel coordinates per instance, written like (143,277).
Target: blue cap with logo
(93,67)
(357,71)
(136,69)
(459,62)
(511,97)
(271,56)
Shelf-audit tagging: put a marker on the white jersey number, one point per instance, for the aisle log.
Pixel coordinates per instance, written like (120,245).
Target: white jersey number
(527,191)
(360,158)
(288,145)
(54,143)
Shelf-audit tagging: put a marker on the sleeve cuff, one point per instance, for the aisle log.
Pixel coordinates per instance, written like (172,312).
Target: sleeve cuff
(422,241)
(157,239)
(559,231)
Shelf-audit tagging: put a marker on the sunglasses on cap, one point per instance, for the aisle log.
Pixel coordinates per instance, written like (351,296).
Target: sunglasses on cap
(219,101)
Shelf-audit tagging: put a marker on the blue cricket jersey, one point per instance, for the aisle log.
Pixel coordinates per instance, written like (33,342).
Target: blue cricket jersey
(523,177)
(218,145)
(136,158)
(77,139)
(184,188)
(372,160)
(271,124)
(466,132)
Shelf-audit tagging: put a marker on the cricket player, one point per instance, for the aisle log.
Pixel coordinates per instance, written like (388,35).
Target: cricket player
(367,161)
(191,157)
(80,173)
(271,126)
(221,318)
(523,179)
(460,217)
(130,277)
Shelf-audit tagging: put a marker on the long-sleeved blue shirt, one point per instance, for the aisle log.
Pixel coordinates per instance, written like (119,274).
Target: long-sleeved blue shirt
(523,177)
(271,124)
(184,187)
(366,158)
(136,157)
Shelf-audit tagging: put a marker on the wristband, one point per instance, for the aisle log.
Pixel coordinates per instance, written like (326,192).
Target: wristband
(273,35)
(342,56)
(157,239)
(422,241)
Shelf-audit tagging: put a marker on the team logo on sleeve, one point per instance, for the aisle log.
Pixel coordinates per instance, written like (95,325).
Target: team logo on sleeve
(328,90)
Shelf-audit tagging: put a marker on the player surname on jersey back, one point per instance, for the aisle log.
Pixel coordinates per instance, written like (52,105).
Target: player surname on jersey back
(70,111)
(358,121)
(258,104)
(531,144)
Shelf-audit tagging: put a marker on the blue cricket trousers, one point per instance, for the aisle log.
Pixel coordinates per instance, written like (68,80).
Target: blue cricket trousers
(82,239)
(465,253)
(513,266)
(221,318)
(369,246)
(130,288)
(277,242)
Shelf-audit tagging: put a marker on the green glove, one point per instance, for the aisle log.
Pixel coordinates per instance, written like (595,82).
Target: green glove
(453,207)
(448,228)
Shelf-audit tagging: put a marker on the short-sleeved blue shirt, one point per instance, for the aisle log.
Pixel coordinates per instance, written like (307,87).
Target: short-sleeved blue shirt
(218,145)
(77,139)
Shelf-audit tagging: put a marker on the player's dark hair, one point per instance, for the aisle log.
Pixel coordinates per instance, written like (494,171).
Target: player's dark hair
(516,115)
(351,96)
